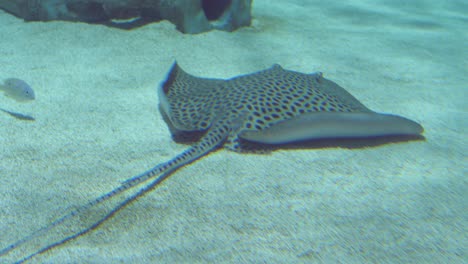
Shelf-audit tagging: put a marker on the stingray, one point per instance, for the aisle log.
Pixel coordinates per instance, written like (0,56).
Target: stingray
(272,106)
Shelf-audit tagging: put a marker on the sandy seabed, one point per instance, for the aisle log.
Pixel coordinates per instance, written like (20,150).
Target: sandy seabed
(97,124)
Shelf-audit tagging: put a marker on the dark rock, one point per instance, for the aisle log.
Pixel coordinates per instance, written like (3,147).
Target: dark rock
(189,16)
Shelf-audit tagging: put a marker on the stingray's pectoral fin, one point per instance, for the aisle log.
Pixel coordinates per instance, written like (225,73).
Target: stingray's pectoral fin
(334,125)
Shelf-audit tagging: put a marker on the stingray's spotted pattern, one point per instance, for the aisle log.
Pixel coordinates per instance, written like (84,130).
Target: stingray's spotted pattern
(272,106)
(251,102)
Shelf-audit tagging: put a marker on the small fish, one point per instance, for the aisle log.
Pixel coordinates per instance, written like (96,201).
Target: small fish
(17,89)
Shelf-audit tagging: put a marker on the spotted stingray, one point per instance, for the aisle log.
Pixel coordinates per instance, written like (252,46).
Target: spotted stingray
(272,106)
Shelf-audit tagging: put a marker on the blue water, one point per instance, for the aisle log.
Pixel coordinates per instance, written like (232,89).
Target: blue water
(96,123)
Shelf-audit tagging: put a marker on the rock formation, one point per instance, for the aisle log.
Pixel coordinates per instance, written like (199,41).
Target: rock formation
(189,16)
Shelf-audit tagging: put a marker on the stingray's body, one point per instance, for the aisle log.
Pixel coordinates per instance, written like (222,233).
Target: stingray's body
(272,106)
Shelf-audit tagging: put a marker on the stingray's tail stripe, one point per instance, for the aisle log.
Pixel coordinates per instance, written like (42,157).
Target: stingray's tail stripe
(128,184)
(125,186)
(82,220)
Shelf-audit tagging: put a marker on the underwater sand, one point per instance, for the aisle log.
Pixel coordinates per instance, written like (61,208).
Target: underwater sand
(97,124)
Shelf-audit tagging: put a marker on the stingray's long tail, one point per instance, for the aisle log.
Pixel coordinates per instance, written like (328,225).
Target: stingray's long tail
(92,214)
